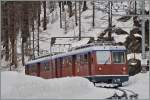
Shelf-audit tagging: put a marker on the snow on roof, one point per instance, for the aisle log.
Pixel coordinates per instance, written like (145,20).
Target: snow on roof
(79,51)
(81,42)
(19,86)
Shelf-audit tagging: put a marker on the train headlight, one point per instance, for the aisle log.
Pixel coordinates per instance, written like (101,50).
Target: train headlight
(124,68)
(99,68)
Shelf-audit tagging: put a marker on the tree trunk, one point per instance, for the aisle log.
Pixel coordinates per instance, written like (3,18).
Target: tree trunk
(60,13)
(25,26)
(12,31)
(45,19)
(93,14)
(22,49)
(76,22)
(79,21)
(38,29)
(33,39)
(84,6)
(135,7)
(7,47)
(110,20)
(70,8)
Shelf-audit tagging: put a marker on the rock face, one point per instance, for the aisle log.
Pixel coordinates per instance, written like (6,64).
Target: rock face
(133,44)
(134,66)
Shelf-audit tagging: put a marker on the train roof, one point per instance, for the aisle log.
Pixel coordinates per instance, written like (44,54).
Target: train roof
(79,51)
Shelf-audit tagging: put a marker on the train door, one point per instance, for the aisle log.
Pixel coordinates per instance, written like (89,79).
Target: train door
(27,69)
(60,66)
(56,68)
(93,62)
(84,64)
(53,68)
(89,63)
(38,69)
(78,68)
(74,65)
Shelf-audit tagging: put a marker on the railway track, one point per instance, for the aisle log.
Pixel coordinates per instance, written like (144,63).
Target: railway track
(125,94)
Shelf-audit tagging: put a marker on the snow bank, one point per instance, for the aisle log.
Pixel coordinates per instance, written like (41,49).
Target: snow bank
(16,85)
(140,85)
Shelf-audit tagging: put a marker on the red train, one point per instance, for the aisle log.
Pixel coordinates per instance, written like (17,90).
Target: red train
(97,63)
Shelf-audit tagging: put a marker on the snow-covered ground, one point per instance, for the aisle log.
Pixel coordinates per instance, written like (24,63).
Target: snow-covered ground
(140,85)
(16,85)
(19,86)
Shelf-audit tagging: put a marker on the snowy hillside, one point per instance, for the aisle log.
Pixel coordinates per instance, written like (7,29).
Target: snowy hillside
(101,23)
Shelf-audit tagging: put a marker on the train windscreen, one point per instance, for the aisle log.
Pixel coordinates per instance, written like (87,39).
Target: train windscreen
(103,57)
(118,57)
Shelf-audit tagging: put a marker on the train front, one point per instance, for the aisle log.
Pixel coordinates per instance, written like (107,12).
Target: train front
(111,64)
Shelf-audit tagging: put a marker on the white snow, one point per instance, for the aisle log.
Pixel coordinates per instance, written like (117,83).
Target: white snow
(18,86)
(137,35)
(119,38)
(140,85)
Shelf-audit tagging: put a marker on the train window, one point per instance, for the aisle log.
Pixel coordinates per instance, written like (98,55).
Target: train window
(33,68)
(81,59)
(46,67)
(85,58)
(103,57)
(118,57)
(63,61)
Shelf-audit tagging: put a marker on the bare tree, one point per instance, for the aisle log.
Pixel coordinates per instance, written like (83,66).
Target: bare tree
(76,22)
(69,3)
(12,21)
(60,7)
(93,14)
(110,19)
(79,21)
(45,19)
(39,12)
(25,26)
(84,6)
(5,36)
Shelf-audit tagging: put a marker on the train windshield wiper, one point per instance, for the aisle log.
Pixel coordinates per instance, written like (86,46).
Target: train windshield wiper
(106,60)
